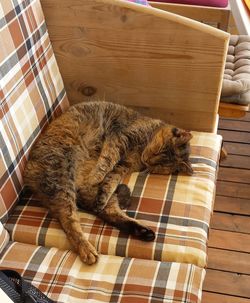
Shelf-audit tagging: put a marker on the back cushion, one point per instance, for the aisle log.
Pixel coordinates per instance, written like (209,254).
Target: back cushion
(31,91)
(4,237)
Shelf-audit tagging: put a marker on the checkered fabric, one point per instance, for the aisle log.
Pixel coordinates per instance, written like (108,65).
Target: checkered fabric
(176,207)
(31,91)
(4,237)
(64,278)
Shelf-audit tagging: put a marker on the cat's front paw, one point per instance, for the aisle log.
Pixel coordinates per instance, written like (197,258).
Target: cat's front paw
(144,233)
(88,253)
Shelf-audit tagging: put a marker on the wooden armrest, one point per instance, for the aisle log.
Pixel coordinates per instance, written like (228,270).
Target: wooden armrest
(229,110)
(162,64)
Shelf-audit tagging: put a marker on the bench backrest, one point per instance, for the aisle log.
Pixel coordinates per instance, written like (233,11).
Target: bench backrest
(162,64)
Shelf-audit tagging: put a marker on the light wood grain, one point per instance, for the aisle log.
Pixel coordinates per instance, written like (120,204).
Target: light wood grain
(232,205)
(237,161)
(164,64)
(227,277)
(231,222)
(227,283)
(233,189)
(235,125)
(237,148)
(226,260)
(246,117)
(232,110)
(235,136)
(210,297)
(234,174)
(216,16)
(229,240)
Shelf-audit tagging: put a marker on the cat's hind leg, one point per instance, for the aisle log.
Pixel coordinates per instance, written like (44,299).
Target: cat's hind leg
(113,214)
(57,190)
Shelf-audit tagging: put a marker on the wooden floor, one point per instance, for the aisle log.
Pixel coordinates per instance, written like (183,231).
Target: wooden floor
(228,272)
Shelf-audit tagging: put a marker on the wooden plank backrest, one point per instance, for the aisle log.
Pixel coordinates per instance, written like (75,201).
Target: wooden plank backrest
(214,16)
(161,64)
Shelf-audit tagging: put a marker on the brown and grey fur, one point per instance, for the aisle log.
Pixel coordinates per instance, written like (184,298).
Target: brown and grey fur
(82,157)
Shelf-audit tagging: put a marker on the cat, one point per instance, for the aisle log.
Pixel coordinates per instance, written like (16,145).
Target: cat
(82,156)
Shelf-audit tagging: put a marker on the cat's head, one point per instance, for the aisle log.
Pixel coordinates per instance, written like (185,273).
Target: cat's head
(168,152)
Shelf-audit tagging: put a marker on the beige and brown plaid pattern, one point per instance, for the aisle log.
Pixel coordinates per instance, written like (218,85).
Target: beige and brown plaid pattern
(4,237)
(64,278)
(31,91)
(176,207)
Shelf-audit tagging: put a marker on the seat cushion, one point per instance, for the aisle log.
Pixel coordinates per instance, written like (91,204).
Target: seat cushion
(4,237)
(236,82)
(64,278)
(31,91)
(215,3)
(176,207)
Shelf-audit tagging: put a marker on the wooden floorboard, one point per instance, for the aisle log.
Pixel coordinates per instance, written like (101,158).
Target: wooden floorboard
(235,148)
(228,272)
(233,189)
(245,118)
(227,283)
(229,240)
(231,222)
(221,259)
(232,205)
(211,297)
(236,125)
(235,136)
(234,175)
(237,161)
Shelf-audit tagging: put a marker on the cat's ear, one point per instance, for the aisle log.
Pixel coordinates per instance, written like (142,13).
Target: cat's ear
(181,136)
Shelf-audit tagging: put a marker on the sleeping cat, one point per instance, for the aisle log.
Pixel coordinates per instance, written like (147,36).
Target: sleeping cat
(82,156)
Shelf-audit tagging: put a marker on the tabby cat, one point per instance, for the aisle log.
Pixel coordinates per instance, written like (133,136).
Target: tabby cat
(81,158)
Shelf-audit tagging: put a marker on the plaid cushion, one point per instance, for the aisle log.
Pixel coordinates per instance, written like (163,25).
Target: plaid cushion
(64,278)
(177,207)
(31,91)
(4,237)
